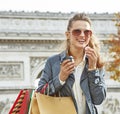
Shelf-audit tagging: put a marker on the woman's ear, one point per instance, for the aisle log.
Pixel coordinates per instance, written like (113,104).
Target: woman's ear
(67,35)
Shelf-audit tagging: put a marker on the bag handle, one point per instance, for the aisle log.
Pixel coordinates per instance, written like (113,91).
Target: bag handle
(44,88)
(48,88)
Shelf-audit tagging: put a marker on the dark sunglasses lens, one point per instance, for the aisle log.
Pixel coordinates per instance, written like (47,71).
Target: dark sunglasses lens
(76,32)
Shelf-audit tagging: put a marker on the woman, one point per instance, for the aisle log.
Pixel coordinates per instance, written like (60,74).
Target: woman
(82,79)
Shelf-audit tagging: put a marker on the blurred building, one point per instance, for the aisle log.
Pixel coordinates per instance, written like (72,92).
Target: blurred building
(28,38)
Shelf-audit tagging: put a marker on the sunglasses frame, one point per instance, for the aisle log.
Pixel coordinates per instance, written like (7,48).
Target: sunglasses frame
(77,32)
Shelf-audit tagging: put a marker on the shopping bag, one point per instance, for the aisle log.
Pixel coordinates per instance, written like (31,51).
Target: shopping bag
(33,109)
(55,105)
(21,104)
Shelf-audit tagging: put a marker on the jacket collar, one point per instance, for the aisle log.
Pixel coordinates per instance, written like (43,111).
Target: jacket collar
(63,55)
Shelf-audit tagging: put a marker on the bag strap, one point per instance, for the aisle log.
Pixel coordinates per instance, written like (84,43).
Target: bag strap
(44,88)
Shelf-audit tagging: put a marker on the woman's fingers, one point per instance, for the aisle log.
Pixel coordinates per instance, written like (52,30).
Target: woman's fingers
(92,57)
(90,51)
(67,67)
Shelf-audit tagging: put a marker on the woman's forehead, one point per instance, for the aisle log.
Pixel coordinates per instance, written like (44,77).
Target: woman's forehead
(80,24)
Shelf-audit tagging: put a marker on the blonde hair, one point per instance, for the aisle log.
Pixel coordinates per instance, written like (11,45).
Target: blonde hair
(93,43)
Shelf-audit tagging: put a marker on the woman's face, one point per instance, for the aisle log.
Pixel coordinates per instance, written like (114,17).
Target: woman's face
(79,34)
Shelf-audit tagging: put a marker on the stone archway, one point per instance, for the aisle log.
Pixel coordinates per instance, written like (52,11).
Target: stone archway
(35,74)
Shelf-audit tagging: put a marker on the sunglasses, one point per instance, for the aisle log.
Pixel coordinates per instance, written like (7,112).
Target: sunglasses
(77,32)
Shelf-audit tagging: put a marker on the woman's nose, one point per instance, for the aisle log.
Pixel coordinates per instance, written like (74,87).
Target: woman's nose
(82,33)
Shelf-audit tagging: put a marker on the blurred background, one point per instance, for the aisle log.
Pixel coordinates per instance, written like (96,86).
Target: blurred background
(31,31)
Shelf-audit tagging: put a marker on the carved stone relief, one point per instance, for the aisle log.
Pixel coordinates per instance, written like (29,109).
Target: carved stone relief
(10,70)
(6,101)
(111,105)
(36,62)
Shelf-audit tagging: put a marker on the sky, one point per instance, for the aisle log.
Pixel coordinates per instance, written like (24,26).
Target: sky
(65,6)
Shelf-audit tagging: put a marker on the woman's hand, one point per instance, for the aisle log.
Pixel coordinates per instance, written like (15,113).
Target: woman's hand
(67,67)
(92,57)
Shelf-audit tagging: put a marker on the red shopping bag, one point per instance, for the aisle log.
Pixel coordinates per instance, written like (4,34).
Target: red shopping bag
(21,104)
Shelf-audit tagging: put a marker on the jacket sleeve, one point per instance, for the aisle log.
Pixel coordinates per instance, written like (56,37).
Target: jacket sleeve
(97,85)
(46,78)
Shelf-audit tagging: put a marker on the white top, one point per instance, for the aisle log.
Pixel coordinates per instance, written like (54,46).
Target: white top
(80,98)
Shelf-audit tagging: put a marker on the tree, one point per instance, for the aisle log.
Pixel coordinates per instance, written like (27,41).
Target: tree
(114,49)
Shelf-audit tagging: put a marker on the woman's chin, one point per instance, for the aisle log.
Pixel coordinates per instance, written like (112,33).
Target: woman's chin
(82,45)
